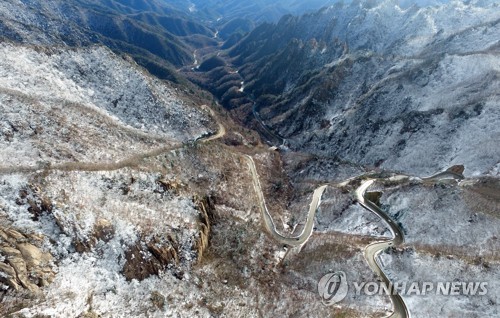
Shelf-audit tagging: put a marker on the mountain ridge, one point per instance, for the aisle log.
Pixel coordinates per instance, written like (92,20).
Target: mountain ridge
(341,71)
(125,194)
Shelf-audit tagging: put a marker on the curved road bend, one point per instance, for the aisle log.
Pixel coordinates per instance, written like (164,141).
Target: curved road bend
(374,249)
(265,127)
(266,216)
(220,133)
(445,175)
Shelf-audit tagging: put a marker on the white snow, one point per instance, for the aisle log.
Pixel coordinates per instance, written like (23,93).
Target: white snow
(96,78)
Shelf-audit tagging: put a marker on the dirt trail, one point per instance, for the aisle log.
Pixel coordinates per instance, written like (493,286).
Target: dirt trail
(129,161)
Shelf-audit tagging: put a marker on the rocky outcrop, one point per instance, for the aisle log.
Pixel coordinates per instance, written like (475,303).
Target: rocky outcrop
(103,231)
(24,265)
(148,257)
(207,217)
(152,254)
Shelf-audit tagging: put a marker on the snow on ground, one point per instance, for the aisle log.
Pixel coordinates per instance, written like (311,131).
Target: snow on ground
(43,94)
(99,80)
(78,200)
(33,132)
(86,105)
(413,89)
(444,216)
(339,213)
(420,267)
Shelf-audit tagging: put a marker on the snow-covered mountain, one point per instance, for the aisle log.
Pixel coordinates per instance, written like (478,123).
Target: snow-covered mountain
(412,89)
(157,36)
(75,122)
(123,194)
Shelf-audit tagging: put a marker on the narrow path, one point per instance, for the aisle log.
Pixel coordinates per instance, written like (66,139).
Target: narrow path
(195,64)
(268,220)
(83,108)
(374,249)
(130,161)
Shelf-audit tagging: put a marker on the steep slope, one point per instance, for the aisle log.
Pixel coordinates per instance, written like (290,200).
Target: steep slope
(76,126)
(379,85)
(122,195)
(158,37)
(107,199)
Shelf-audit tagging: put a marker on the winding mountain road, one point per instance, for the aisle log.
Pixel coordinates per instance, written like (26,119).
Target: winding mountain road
(371,251)
(265,128)
(374,249)
(220,132)
(445,175)
(268,220)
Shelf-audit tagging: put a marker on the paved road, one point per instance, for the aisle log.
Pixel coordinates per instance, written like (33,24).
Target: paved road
(445,175)
(268,220)
(266,129)
(374,249)
(220,133)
